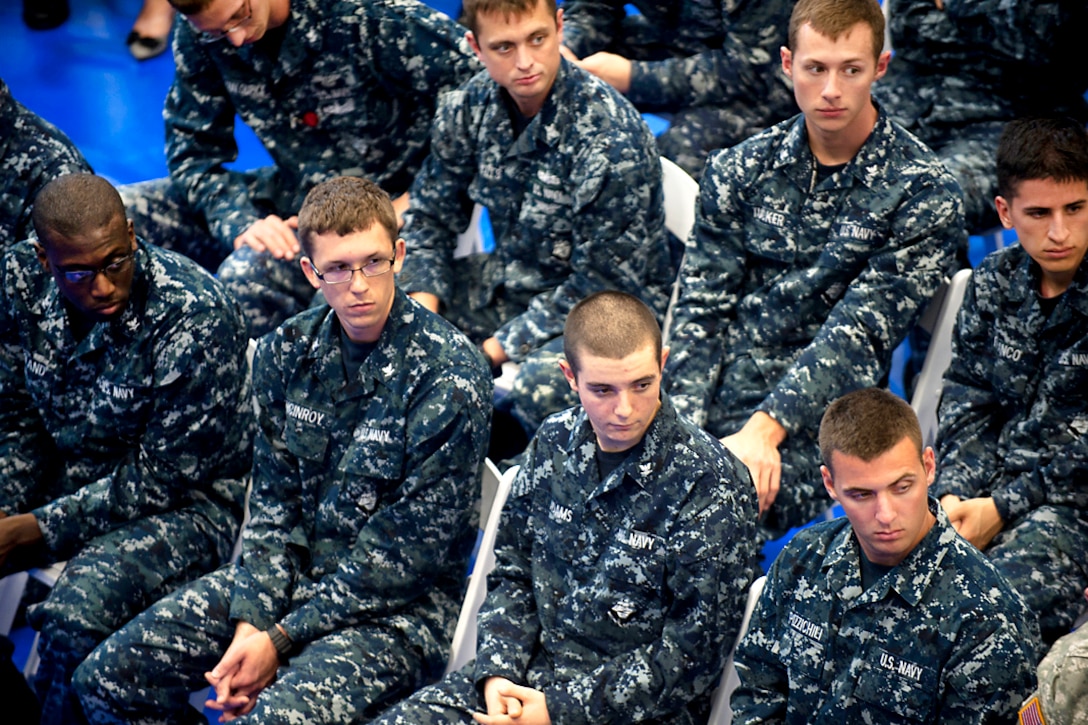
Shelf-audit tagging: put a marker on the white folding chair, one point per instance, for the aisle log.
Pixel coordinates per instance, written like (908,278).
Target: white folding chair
(721,713)
(939,319)
(681,196)
(463,648)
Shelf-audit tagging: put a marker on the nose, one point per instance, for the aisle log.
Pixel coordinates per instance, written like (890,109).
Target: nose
(237,38)
(831,86)
(102,286)
(525,58)
(1059,230)
(623,405)
(358,281)
(885,512)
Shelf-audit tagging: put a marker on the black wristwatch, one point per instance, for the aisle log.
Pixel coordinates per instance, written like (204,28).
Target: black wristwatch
(283,644)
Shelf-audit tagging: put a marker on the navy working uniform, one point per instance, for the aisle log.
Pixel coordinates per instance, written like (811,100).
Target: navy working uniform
(963,69)
(576,206)
(342,89)
(359,533)
(1014,427)
(618,598)
(797,286)
(128,445)
(940,638)
(712,66)
(33,152)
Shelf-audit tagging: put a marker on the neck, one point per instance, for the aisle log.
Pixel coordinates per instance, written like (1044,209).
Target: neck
(832,148)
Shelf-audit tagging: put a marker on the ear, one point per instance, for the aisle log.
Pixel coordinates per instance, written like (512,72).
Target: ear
(131,235)
(929,461)
(787,61)
(1003,208)
(43,260)
(568,373)
(559,25)
(829,485)
(664,356)
(308,270)
(472,43)
(399,250)
(882,64)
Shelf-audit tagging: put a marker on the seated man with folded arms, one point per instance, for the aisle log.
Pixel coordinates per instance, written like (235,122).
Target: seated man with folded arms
(126,422)
(572,181)
(1013,435)
(710,65)
(623,558)
(817,244)
(372,429)
(887,615)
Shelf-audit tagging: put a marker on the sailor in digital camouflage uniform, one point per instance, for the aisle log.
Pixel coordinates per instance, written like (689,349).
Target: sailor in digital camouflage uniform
(710,65)
(126,425)
(328,88)
(1013,436)
(32,153)
(623,556)
(963,68)
(816,245)
(373,423)
(887,615)
(568,172)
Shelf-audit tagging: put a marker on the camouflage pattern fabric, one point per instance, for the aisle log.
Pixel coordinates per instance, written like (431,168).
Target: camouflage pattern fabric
(962,70)
(1014,427)
(1063,681)
(941,638)
(575,203)
(343,89)
(620,598)
(360,530)
(33,152)
(128,446)
(711,65)
(796,291)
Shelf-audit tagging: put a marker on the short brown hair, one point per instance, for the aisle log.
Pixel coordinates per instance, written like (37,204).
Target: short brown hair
(75,204)
(610,324)
(472,9)
(342,206)
(191,7)
(832,18)
(867,423)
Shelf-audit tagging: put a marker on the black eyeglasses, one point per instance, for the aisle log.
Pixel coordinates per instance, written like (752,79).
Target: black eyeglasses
(111,270)
(212,36)
(338,276)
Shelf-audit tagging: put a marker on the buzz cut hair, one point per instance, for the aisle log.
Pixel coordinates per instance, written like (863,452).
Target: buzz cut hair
(833,18)
(471,10)
(342,206)
(191,7)
(1041,148)
(867,423)
(610,324)
(75,204)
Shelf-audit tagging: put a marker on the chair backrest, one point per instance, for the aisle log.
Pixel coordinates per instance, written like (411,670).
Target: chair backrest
(463,648)
(939,319)
(721,713)
(681,196)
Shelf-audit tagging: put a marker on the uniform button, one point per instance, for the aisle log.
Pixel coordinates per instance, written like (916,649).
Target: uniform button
(524,349)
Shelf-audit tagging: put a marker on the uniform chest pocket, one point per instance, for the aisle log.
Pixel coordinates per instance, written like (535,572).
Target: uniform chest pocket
(896,689)
(306,431)
(803,656)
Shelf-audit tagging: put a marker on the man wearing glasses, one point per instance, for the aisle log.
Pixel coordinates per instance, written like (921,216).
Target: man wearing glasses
(126,422)
(374,418)
(345,88)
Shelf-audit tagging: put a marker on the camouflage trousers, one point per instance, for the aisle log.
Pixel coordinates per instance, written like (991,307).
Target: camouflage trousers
(146,672)
(163,216)
(111,580)
(968,154)
(1063,680)
(452,700)
(268,290)
(1045,556)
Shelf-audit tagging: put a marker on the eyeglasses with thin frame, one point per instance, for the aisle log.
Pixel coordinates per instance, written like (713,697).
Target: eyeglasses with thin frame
(339,276)
(111,270)
(212,36)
